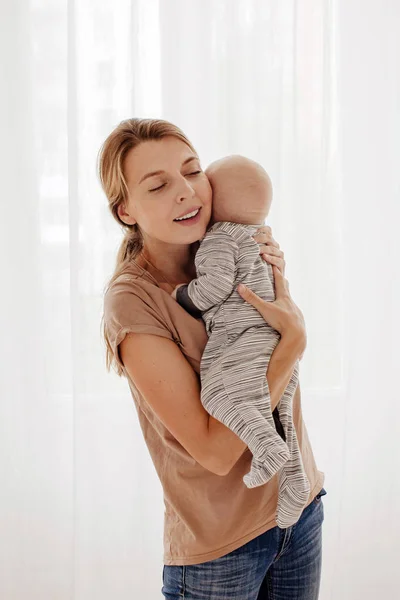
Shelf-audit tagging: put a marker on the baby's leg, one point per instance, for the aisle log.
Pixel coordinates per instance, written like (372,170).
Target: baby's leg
(231,393)
(243,369)
(242,372)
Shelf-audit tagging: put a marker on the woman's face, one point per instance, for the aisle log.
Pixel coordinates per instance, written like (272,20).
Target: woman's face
(165,182)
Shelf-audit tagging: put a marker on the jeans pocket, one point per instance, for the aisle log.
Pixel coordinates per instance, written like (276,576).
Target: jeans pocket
(318,497)
(173,578)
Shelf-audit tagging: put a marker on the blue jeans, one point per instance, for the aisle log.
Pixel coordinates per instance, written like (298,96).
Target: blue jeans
(280,564)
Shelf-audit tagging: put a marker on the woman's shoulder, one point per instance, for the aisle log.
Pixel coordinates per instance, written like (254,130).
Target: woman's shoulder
(131,281)
(133,303)
(131,294)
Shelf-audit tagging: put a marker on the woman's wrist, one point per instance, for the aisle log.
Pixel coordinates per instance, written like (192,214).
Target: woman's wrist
(281,366)
(295,340)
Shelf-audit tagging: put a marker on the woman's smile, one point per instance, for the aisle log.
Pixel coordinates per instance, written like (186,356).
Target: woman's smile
(189,217)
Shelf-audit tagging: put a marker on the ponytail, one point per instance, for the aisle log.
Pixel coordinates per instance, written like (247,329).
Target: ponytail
(130,246)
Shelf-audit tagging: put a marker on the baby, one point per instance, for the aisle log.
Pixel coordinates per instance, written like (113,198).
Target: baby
(234,387)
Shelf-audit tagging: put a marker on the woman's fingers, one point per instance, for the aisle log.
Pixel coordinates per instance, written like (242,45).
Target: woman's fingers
(282,314)
(270,311)
(281,290)
(269,248)
(272,250)
(264,236)
(281,283)
(250,297)
(274,260)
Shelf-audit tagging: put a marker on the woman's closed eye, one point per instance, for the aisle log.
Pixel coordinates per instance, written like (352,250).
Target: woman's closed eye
(164,184)
(157,188)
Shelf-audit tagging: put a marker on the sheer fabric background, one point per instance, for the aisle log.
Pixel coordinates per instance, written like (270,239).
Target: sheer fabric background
(311,89)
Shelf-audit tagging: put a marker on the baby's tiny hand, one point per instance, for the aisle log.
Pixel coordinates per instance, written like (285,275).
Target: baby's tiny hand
(173,294)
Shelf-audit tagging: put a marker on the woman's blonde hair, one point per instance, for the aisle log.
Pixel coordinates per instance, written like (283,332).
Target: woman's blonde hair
(111,158)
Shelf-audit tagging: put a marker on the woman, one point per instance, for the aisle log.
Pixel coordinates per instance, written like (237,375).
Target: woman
(221,539)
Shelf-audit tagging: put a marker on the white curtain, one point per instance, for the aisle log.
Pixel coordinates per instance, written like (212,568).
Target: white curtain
(311,89)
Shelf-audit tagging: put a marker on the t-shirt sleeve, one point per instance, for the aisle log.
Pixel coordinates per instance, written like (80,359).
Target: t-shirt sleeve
(129,307)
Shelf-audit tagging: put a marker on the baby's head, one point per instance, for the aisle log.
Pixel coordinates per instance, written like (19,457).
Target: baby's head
(242,190)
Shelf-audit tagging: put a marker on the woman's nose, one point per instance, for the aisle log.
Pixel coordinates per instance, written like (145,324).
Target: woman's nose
(185,191)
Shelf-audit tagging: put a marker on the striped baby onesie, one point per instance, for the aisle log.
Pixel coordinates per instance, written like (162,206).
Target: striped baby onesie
(234,387)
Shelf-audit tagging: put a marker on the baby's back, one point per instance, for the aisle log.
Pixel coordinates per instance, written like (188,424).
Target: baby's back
(234,314)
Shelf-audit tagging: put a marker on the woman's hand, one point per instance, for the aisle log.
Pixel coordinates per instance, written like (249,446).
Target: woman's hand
(269,248)
(282,314)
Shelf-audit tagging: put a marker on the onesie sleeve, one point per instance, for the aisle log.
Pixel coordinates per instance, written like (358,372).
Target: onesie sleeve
(216,270)
(183,298)
(129,307)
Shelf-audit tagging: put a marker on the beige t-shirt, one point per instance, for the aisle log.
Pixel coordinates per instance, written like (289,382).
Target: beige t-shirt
(206,516)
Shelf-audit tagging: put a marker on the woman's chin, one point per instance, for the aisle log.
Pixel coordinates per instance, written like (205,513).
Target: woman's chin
(194,235)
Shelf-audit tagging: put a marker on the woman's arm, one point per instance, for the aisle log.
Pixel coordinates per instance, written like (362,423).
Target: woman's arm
(171,387)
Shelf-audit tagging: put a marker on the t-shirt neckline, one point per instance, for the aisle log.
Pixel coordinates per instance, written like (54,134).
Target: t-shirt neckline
(143,271)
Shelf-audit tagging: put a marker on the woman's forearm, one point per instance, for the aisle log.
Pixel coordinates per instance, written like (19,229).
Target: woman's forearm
(227,446)
(281,366)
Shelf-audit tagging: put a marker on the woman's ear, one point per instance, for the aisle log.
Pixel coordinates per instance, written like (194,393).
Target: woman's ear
(124,216)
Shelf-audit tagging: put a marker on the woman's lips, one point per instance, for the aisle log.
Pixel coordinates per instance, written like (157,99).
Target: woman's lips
(191,220)
(190,210)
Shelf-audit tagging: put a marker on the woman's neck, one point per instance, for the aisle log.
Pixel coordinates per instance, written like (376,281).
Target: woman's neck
(175,264)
